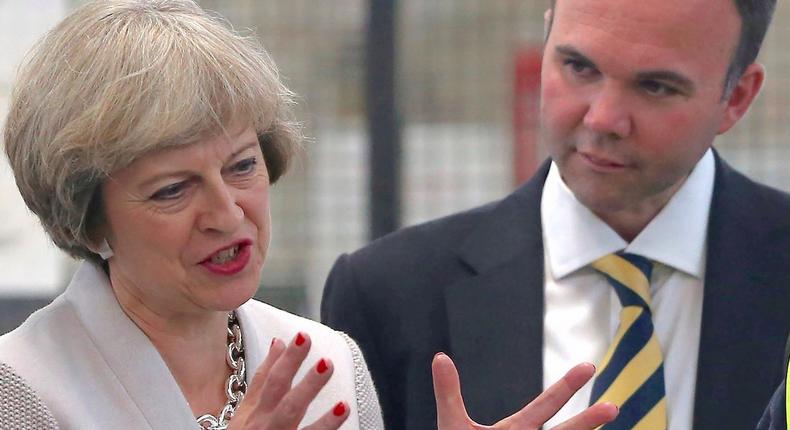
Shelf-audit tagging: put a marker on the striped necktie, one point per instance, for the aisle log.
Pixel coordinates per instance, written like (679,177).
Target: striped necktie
(631,374)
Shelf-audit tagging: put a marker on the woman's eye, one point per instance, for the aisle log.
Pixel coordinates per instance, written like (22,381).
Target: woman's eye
(245,166)
(170,192)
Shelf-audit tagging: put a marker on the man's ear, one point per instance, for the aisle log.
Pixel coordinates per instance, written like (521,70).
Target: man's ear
(547,17)
(742,96)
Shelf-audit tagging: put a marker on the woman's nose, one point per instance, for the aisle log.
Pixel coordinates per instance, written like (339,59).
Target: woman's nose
(221,211)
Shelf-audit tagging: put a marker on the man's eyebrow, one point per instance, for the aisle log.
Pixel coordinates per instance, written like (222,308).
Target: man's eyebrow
(668,76)
(569,51)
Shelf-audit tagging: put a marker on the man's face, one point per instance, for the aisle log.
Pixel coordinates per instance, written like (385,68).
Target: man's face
(632,95)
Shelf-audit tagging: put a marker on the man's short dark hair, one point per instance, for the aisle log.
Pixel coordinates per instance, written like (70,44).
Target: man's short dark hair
(755,16)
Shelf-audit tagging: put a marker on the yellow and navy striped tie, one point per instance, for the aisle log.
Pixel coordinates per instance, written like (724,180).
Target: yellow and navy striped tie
(631,374)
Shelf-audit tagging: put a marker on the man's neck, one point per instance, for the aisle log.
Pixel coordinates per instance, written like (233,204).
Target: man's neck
(629,221)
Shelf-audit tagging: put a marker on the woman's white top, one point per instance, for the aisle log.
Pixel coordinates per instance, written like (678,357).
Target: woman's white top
(95,369)
(20,407)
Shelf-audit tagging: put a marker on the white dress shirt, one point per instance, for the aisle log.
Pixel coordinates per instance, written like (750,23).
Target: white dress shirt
(582,310)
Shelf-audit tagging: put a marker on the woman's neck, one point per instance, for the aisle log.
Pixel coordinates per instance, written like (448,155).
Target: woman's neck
(192,345)
(197,361)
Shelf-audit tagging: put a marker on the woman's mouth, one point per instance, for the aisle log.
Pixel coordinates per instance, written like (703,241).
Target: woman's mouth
(230,260)
(225,255)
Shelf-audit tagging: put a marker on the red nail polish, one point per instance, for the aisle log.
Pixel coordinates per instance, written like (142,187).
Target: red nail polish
(322,366)
(299,339)
(339,410)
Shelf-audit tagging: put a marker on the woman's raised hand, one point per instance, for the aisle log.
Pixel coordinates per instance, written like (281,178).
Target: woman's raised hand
(452,415)
(271,403)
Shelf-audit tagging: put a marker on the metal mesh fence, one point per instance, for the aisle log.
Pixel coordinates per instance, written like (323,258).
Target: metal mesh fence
(455,77)
(457,62)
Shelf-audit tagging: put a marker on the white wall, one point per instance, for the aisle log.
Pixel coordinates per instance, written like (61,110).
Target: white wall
(30,265)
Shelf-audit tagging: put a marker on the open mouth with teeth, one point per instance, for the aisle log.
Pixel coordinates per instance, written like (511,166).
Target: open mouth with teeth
(229,260)
(225,255)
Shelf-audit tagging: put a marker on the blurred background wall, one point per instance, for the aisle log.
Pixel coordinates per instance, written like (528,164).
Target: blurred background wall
(464,92)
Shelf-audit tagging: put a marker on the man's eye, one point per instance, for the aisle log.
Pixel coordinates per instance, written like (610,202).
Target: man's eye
(170,192)
(579,69)
(656,88)
(245,166)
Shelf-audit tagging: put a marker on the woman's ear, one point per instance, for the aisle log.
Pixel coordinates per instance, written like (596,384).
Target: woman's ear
(102,249)
(98,230)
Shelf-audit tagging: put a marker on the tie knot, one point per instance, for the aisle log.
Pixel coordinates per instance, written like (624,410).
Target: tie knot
(629,274)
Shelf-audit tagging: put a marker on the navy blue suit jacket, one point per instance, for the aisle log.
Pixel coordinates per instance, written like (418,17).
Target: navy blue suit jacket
(472,285)
(775,415)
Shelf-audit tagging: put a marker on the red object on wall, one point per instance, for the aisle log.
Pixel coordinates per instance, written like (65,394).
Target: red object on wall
(526,106)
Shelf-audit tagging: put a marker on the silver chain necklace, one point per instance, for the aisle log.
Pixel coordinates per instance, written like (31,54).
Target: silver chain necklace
(236,386)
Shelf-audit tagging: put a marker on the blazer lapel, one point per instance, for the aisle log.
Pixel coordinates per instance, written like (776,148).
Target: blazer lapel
(129,354)
(739,304)
(495,315)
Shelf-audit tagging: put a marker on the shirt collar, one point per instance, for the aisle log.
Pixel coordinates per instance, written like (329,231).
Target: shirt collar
(574,237)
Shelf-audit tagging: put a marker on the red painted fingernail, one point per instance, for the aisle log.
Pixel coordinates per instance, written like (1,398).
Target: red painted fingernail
(339,409)
(299,339)
(322,366)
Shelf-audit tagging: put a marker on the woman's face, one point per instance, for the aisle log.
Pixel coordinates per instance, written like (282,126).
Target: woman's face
(190,226)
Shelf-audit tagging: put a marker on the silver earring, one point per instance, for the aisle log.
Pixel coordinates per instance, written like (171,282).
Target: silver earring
(104,251)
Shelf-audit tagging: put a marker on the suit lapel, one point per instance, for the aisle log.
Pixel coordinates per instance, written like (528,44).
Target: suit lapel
(495,315)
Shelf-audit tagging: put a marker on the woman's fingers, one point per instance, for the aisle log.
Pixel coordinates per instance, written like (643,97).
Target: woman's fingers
(450,409)
(540,410)
(273,402)
(591,418)
(256,385)
(333,419)
(294,404)
(280,377)
(248,415)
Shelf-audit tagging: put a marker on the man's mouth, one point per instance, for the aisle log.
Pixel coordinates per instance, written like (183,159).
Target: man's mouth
(601,162)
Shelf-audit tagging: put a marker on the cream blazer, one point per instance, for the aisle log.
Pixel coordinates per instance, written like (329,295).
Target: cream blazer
(95,369)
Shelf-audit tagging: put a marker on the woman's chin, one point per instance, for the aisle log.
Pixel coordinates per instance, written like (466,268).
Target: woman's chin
(232,296)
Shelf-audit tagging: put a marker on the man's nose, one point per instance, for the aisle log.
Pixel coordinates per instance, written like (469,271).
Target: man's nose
(608,114)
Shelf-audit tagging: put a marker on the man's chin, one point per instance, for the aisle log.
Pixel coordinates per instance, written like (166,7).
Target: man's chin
(601,199)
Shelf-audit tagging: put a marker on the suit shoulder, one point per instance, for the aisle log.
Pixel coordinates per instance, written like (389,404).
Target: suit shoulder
(773,206)
(53,318)
(440,235)
(286,324)
(760,196)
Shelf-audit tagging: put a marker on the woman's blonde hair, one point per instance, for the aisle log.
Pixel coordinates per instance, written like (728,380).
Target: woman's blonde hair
(119,79)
